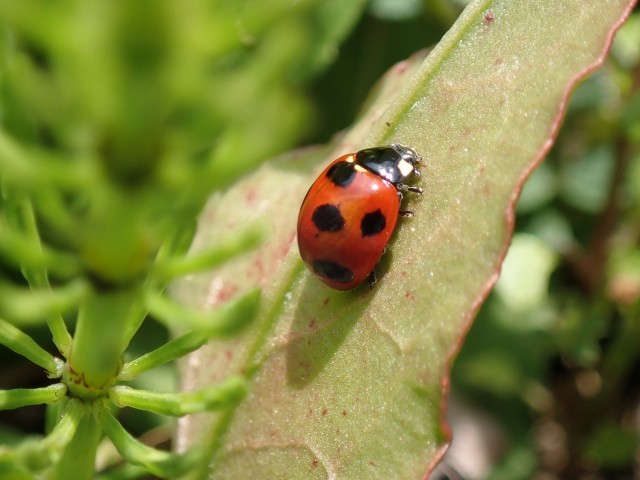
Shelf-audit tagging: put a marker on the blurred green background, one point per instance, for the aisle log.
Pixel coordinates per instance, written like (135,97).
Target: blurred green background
(552,360)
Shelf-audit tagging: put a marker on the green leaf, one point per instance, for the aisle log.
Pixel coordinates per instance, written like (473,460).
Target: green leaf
(221,323)
(160,463)
(24,345)
(226,321)
(585,181)
(613,446)
(19,397)
(352,385)
(27,306)
(220,252)
(21,216)
(16,250)
(39,454)
(78,441)
(523,284)
(10,471)
(334,20)
(223,395)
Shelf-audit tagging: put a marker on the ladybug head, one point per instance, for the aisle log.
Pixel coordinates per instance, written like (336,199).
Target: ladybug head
(395,163)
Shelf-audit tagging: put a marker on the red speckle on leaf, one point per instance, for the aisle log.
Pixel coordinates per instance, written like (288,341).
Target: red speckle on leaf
(498,61)
(251,196)
(223,293)
(399,67)
(409,296)
(284,247)
(228,354)
(209,216)
(312,323)
(326,301)
(257,268)
(489,18)
(372,463)
(314,463)
(344,413)
(324,412)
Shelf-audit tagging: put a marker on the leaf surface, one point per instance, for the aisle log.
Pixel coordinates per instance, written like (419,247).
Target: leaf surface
(352,385)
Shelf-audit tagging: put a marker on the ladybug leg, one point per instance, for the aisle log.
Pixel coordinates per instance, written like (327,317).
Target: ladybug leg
(372,279)
(407,213)
(408,188)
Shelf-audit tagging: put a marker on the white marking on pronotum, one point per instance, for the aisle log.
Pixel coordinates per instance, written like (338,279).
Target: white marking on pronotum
(405,168)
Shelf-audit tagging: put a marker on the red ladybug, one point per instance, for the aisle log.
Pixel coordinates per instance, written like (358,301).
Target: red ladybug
(351,211)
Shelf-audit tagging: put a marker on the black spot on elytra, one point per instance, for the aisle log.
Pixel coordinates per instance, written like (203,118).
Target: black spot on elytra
(333,271)
(342,174)
(373,223)
(327,218)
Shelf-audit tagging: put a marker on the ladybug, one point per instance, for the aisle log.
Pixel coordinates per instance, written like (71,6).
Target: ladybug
(350,212)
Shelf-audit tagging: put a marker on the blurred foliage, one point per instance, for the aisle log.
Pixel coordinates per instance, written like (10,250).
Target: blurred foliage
(553,355)
(163,100)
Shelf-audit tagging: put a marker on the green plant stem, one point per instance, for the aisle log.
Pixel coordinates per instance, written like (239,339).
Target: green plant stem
(99,342)
(228,392)
(24,345)
(78,458)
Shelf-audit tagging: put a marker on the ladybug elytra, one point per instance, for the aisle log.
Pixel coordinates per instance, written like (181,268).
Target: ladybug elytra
(351,211)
